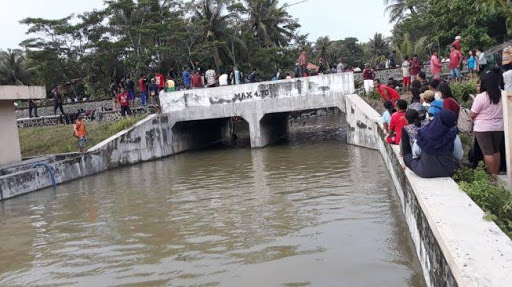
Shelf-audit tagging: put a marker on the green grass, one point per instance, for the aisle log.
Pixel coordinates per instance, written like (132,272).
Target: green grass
(495,200)
(59,139)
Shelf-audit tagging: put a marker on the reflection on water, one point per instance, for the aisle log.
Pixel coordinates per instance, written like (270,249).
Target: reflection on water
(312,212)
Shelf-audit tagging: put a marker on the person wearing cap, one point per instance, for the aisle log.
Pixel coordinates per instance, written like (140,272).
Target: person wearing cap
(456,43)
(455,60)
(387,93)
(429,102)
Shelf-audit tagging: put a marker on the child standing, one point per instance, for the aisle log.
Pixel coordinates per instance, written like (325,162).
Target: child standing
(80,133)
(406,71)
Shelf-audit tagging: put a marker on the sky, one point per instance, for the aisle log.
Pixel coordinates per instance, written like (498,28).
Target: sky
(334,18)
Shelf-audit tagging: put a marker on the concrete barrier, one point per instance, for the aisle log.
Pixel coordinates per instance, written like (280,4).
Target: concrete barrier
(456,246)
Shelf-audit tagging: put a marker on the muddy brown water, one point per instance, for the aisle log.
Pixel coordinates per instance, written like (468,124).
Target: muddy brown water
(310,212)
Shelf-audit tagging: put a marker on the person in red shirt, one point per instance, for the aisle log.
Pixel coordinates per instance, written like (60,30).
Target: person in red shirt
(435,66)
(455,60)
(124,101)
(387,93)
(416,67)
(143,87)
(449,102)
(159,80)
(456,43)
(197,80)
(398,121)
(368,73)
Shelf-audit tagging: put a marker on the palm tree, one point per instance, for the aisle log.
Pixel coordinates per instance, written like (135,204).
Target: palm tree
(398,9)
(321,46)
(13,68)
(271,24)
(378,46)
(216,27)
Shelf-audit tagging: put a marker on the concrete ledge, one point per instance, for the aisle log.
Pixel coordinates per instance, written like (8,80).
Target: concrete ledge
(455,245)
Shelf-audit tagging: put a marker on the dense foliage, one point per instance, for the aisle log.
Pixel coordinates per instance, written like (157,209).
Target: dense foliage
(139,36)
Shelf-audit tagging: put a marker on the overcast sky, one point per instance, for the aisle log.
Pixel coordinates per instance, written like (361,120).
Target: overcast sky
(335,18)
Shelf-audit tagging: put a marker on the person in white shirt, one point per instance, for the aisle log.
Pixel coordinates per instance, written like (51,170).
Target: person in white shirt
(406,72)
(223,79)
(210,76)
(482,60)
(340,67)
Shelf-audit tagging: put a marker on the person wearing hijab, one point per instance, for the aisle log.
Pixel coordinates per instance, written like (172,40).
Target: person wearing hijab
(438,149)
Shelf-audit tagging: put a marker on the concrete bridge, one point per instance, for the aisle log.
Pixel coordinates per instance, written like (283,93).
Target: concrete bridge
(199,113)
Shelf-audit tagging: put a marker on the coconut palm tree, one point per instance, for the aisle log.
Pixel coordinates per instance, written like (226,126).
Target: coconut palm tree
(271,24)
(398,9)
(13,68)
(378,46)
(215,21)
(321,46)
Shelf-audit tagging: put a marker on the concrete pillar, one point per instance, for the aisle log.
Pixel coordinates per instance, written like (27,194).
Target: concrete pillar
(9,140)
(267,129)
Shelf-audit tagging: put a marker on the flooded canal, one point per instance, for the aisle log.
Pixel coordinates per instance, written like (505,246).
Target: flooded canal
(311,212)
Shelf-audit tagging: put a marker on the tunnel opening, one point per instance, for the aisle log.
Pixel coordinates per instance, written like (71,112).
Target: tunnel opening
(200,134)
(304,126)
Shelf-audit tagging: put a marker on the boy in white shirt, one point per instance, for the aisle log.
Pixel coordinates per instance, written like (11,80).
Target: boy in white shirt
(406,71)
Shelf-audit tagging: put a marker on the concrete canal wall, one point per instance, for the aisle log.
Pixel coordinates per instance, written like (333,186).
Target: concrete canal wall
(456,246)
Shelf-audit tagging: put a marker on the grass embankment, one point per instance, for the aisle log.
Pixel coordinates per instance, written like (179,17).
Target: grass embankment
(59,139)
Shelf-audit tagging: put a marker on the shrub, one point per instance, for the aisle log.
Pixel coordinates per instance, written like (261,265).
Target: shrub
(495,200)
(373,94)
(462,90)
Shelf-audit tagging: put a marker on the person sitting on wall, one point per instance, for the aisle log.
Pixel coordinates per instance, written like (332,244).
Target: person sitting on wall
(438,149)
(386,116)
(387,93)
(398,121)
(410,131)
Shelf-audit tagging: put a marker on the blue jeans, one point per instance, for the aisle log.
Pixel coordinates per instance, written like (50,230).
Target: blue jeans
(143,98)
(455,74)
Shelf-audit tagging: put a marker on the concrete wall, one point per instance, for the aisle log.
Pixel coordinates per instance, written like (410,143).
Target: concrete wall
(9,140)
(454,243)
(253,102)
(22,92)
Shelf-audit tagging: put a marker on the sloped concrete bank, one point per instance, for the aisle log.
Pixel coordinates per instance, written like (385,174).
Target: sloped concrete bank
(455,245)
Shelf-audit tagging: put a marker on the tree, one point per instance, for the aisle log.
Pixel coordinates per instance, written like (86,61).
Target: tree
(271,25)
(378,47)
(13,68)
(321,46)
(398,9)
(217,29)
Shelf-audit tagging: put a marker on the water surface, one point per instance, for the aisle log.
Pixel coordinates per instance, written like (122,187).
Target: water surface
(311,212)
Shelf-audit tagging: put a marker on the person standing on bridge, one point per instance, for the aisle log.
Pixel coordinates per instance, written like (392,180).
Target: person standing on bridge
(197,80)
(303,62)
(124,102)
(211,77)
(143,87)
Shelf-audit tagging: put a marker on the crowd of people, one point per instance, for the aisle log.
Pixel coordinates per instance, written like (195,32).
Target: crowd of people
(427,129)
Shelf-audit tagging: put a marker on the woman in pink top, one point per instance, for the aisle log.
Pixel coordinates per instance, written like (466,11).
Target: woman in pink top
(487,114)
(435,66)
